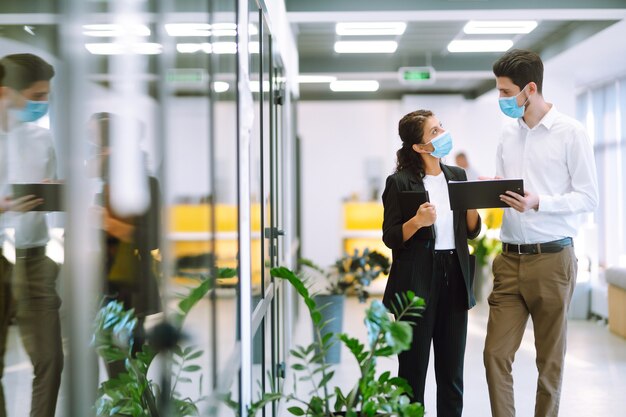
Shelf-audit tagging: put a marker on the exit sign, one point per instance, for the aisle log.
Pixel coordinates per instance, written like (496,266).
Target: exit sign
(416,75)
(195,76)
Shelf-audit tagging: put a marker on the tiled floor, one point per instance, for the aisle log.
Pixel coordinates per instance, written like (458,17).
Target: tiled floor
(594,380)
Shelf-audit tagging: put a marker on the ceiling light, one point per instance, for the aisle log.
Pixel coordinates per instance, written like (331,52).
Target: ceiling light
(111,30)
(105,48)
(225,29)
(495,45)
(146,48)
(113,48)
(188,29)
(358,85)
(370,28)
(365,47)
(303,79)
(192,48)
(490,27)
(220,86)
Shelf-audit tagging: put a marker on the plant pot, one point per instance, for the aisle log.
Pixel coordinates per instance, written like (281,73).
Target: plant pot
(331,307)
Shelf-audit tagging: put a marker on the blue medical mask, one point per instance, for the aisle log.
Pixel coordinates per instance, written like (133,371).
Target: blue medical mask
(442,145)
(33,110)
(509,106)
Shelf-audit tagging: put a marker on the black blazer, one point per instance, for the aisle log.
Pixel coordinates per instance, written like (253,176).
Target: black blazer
(412,266)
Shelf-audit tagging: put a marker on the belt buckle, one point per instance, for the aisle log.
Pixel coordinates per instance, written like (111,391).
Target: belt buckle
(519,249)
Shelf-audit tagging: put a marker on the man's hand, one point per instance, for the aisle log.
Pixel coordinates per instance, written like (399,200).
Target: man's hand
(24,203)
(521,203)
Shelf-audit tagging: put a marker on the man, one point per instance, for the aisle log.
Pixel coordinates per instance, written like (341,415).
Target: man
(30,158)
(536,272)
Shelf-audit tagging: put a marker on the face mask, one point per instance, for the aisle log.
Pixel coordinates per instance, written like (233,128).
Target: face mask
(32,111)
(509,106)
(442,145)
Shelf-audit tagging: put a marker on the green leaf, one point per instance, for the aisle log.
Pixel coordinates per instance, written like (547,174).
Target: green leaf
(195,355)
(192,368)
(296,411)
(326,378)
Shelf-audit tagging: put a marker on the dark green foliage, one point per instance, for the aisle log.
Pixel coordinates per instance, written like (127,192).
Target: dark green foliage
(352,272)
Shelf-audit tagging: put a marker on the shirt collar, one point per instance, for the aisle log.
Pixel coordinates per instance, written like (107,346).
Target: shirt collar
(547,120)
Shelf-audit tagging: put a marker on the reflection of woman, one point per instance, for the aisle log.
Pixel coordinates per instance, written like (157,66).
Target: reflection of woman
(128,242)
(438,269)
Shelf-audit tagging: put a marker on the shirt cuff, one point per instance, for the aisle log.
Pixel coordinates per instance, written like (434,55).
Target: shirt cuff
(546,203)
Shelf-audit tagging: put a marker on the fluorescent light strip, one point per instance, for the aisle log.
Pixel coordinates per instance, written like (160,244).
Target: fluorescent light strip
(229,48)
(188,29)
(370,28)
(495,45)
(112,48)
(366,47)
(113,30)
(354,85)
(306,79)
(220,86)
(503,27)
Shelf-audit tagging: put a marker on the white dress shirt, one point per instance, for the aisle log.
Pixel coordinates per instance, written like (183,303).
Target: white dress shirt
(30,158)
(555,160)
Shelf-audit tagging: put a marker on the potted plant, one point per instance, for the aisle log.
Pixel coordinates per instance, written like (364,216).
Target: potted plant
(372,394)
(133,393)
(349,274)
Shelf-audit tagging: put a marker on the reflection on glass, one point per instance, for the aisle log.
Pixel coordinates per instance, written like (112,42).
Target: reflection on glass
(28,294)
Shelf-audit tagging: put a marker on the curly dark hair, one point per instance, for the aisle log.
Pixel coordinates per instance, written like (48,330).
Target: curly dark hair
(411,131)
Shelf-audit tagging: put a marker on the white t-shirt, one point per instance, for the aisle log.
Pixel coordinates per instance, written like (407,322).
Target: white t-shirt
(437,188)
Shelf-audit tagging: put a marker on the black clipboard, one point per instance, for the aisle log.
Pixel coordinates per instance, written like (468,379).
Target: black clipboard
(51,193)
(481,193)
(410,201)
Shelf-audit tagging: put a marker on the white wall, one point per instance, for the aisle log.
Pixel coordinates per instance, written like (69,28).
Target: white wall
(337,139)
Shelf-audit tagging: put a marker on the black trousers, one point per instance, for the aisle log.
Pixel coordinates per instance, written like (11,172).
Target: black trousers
(444,323)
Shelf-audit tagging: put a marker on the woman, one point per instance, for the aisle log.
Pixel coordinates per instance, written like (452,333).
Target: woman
(435,266)
(130,274)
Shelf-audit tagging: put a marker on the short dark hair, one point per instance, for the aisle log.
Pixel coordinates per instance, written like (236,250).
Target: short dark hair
(521,66)
(23,70)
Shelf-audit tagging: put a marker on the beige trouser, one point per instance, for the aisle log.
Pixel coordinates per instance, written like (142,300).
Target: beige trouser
(37,301)
(540,286)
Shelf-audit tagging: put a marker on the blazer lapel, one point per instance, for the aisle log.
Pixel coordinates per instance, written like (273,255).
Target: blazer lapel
(415,184)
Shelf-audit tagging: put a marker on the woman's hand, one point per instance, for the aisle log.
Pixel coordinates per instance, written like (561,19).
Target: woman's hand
(425,216)
(114,226)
